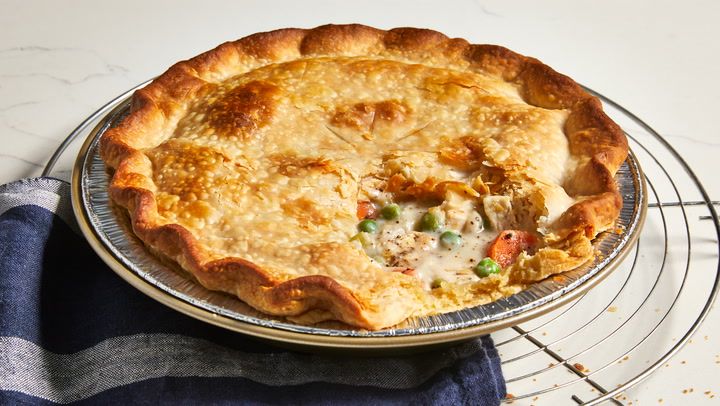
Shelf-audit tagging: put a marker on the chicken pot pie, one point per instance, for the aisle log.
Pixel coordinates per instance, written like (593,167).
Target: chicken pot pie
(365,176)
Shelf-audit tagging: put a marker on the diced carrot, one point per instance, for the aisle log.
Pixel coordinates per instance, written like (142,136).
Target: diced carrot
(366,210)
(508,245)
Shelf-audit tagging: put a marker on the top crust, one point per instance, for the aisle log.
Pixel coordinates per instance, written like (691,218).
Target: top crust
(596,144)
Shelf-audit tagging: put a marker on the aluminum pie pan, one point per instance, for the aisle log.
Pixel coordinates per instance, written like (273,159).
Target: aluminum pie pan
(108,232)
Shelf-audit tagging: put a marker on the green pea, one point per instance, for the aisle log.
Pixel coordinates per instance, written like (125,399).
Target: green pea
(486,267)
(436,283)
(390,212)
(429,222)
(368,226)
(450,239)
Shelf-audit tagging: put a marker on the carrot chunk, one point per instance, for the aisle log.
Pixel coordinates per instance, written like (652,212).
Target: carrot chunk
(366,210)
(508,246)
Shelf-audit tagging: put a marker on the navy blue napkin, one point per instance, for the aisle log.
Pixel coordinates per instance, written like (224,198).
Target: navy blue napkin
(73,331)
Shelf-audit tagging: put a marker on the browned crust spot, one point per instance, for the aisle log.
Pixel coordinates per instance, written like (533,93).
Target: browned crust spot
(244,109)
(364,116)
(592,136)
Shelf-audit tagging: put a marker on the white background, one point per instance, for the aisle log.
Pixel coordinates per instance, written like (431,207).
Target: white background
(59,61)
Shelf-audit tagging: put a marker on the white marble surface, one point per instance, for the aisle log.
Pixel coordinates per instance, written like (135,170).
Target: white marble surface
(59,61)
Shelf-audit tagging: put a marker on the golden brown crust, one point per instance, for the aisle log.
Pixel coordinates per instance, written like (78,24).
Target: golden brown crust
(598,145)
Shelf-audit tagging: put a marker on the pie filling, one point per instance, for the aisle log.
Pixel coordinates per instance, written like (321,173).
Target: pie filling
(453,242)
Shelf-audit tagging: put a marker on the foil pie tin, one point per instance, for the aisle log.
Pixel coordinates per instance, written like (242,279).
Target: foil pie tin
(108,232)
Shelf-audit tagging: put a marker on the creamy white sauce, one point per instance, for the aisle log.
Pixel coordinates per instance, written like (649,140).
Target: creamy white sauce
(402,247)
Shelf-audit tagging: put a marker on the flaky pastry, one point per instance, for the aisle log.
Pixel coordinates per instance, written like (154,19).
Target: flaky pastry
(366,176)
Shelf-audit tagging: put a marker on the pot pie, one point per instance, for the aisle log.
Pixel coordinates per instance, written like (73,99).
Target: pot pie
(365,176)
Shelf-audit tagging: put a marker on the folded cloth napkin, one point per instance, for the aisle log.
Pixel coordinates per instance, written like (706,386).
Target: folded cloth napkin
(73,331)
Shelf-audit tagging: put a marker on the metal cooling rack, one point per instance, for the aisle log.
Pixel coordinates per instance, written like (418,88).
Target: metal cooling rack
(616,335)
(593,349)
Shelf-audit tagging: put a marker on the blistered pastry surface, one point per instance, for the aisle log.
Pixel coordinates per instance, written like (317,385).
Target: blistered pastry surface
(266,164)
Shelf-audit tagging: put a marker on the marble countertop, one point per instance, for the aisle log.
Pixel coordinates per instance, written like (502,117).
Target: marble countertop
(60,61)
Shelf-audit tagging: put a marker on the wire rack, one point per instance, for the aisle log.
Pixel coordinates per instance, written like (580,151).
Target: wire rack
(593,349)
(610,339)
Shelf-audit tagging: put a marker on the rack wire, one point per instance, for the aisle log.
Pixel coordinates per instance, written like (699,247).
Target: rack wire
(592,350)
(613,337)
